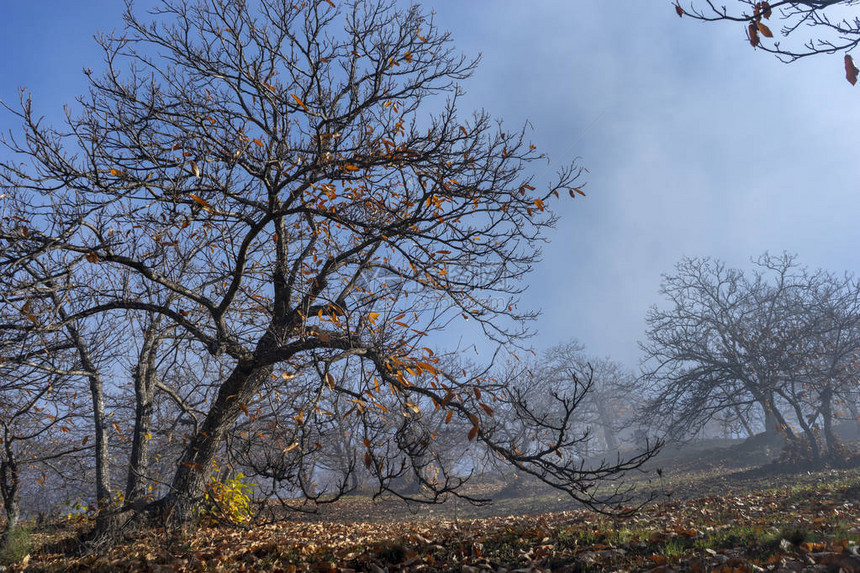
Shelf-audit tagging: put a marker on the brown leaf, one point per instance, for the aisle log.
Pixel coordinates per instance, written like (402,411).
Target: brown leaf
(765,31)
(679,11)
(765,10)
(850,69)
(752,33)
(472,433)
(91,257)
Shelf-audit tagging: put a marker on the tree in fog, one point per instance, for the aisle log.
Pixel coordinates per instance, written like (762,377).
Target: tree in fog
(779,339)
(808,27)
(240,176)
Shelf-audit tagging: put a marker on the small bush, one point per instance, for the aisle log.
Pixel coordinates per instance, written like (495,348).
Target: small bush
(227,502)
(14,548)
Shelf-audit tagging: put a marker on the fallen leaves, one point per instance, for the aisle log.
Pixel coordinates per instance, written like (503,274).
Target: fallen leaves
(807,528)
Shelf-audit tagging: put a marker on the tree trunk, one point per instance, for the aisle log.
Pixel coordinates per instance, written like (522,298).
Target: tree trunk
(9,484)
(606,424)
(144,390)
(831,442)
(102,454)
(189,481)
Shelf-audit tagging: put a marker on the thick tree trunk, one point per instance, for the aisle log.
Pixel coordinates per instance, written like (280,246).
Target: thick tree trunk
(144,390)
(189,481)
(9,484)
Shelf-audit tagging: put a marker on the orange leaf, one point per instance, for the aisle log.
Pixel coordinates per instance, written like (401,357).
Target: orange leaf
(115,172)
(372,317)
(258,142)
(349,167)
(472,433)
(300,102)
(765,31)
(850,69)
(206,206)
(448,416)
(463,129)
(329,380)
(244,408)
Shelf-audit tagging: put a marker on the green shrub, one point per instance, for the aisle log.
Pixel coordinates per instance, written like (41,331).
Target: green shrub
(17,546)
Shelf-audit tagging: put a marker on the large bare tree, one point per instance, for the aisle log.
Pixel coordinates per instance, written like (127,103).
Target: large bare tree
(289,187)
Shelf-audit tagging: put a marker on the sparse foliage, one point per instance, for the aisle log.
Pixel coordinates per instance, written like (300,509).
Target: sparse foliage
(832,26)
(286,196)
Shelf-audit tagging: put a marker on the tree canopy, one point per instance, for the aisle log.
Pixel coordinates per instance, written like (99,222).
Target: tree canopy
(271,208)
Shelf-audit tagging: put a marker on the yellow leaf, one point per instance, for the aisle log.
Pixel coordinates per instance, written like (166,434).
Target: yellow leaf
(372,317)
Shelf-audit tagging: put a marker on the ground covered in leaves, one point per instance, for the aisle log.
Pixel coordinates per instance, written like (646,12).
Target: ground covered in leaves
(753,520)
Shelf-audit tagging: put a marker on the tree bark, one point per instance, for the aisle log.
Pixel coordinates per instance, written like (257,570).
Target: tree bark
(189,481)
(9,485)
(144,389)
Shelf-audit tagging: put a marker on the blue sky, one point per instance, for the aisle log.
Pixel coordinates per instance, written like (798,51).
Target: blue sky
(696,144)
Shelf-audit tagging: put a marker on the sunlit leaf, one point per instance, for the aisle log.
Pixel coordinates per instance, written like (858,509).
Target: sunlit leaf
(300,102)
(373,317)
(206,206)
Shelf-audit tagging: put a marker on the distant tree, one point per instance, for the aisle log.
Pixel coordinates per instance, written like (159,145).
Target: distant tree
(833,25)
(247,172)
(727,342)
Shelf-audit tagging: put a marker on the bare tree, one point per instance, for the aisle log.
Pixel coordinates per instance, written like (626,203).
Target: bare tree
(833,26)
(249,174)
(783,339)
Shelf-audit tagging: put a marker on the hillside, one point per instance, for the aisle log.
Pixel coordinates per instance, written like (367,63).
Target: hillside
(711,513)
